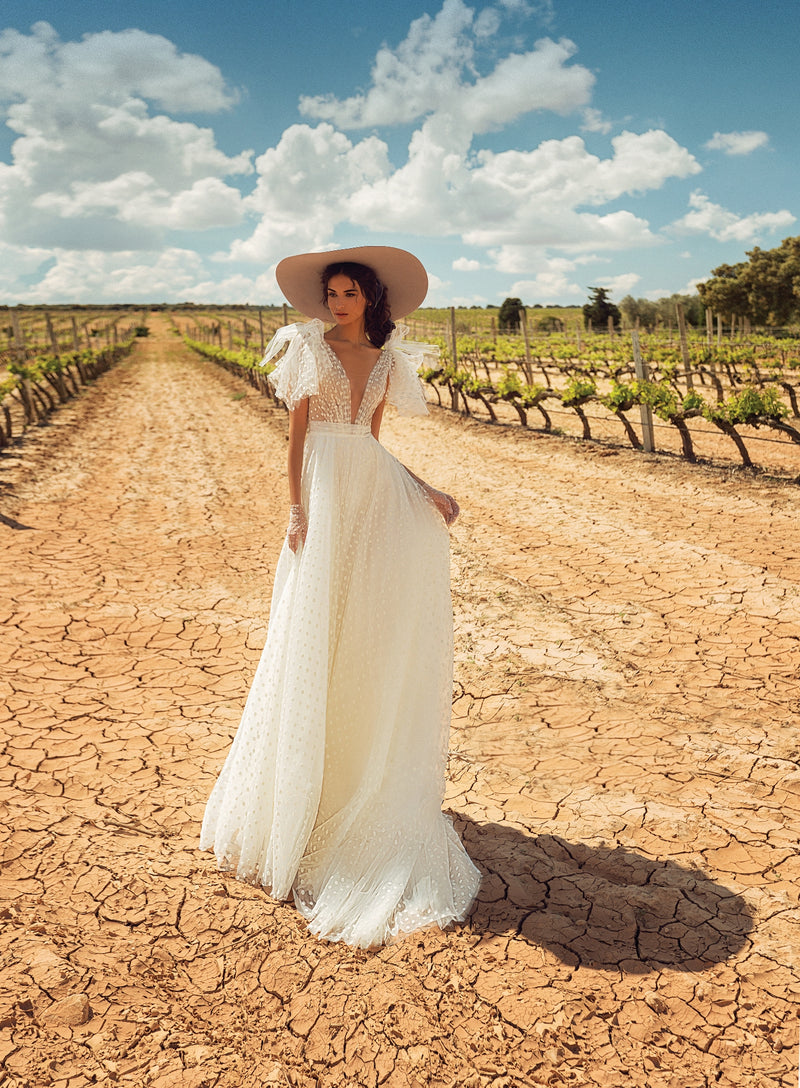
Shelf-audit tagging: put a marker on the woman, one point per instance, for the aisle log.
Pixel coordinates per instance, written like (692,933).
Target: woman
(333,787)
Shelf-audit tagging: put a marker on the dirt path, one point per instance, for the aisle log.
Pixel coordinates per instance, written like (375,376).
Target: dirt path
(624,764)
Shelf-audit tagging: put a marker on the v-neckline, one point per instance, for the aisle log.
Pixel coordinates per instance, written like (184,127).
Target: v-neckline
(340,364)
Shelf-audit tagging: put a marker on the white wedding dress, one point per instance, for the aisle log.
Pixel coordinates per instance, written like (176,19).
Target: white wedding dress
(332,789)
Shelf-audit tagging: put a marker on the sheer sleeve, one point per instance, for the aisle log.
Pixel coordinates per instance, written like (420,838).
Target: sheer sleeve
(295,375)
(404,391)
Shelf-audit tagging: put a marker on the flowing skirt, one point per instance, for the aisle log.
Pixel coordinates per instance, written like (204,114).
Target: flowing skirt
(332,789)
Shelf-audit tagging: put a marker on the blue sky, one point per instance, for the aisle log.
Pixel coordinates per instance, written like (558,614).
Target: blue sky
(157,152)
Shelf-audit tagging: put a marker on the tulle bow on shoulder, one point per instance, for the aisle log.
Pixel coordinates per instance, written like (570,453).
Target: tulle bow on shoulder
(404,390)
(295,375)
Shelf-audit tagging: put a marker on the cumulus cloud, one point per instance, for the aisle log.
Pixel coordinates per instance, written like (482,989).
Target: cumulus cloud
(593,121)
(725,226)
(550,283)
(305,186)
(172,274)
(39,67)
(533,197)
(92,166)
(738,143)
(620,285)
(466,264)
(554,276)
(434,70)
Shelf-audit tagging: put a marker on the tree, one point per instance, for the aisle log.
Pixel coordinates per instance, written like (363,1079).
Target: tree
(508,317)
(766,289)
(599,308)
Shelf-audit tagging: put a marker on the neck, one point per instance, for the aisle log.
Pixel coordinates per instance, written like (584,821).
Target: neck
(355,333)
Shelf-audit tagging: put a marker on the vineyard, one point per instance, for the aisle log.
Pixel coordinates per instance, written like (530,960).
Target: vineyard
(623,760)
(673,391)
(669,391)
(47,357)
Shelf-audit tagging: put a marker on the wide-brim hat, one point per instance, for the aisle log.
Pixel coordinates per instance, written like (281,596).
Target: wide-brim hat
(400,272)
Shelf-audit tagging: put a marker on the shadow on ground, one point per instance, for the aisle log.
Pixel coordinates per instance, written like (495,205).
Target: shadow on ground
(601,907)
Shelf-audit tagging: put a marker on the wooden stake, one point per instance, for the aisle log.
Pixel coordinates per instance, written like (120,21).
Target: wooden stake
(645,412)
(684,346)
(51,334)
(523,320)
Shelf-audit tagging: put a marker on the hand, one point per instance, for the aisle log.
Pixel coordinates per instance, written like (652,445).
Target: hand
(445,504)
(298,527)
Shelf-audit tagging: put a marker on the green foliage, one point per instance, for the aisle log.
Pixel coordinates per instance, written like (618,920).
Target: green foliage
(621,398)
(511,387)
(748,406)
(246,357)
(508,316)
(666,403)
(765,289)
(600,308)
(578,391)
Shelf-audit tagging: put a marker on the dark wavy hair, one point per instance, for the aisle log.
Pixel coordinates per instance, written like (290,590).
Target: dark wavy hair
(377,316)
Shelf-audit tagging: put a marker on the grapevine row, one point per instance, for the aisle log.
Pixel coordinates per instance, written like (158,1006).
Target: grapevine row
(34,388)
(587,381)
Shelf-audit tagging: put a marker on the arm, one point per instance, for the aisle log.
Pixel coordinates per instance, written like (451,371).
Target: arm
(444,503)
(298,425)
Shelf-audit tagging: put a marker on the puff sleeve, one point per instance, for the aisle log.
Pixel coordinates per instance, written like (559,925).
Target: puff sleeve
(404,390)
(295,375)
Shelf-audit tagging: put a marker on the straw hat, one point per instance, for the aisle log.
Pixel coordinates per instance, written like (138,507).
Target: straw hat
(400,272)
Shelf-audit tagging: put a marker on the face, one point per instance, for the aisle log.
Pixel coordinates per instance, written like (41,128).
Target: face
(346,300)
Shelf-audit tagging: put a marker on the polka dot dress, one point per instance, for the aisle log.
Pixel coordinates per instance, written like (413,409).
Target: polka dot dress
(332,789)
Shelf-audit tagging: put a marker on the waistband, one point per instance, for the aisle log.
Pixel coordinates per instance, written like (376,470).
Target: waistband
(345,430)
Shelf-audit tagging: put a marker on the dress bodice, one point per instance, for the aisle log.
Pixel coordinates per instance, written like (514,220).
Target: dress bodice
(311,368)
(333,402)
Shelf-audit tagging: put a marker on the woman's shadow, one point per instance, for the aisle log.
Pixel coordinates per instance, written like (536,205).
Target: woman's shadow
(601,907)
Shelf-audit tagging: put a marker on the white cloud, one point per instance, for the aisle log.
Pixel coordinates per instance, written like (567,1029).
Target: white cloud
(725,226)
(521,197)
(466,264)
(551,274)
(172,275)
(487,23)
(40,68)
(738,143)
(593,121)
(305,187)
(434,70)
(17,261)
(548,284)
(620,285)
(519,260)
(92,166)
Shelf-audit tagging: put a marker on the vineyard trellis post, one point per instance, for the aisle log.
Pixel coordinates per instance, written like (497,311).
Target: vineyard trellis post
(709,327)
(261,328)
(684,346)
(285,314)
(523,319)
(51,333)
(645,412)
(28,403)
(454,362)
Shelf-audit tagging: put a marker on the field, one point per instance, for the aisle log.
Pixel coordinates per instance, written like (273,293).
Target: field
(623,764)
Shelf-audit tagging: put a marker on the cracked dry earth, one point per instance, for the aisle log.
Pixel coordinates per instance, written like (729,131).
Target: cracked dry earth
(624,764)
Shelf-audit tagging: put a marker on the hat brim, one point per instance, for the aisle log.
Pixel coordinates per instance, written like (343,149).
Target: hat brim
(400,272)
